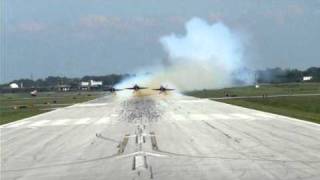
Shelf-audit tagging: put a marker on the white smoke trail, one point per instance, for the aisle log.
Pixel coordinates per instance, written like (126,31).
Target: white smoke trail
(207,56)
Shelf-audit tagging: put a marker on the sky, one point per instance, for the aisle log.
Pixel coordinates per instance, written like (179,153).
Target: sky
(73,38)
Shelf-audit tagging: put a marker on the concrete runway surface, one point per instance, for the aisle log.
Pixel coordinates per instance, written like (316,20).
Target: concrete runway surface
(159,137)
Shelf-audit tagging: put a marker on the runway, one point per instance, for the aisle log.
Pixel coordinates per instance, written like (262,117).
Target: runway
(159,137)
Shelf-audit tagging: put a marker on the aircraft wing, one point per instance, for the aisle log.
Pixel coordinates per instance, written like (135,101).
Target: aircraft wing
(169,89)
(164,89)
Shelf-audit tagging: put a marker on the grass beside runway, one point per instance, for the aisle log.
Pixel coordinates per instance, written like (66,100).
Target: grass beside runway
(273,89)
(306,107)
(301,107)
(16,106)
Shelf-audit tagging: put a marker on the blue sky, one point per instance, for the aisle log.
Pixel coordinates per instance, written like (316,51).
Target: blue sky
(95,37)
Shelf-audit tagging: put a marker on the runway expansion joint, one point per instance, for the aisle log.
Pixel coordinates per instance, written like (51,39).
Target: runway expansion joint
(154,141)
(122,145)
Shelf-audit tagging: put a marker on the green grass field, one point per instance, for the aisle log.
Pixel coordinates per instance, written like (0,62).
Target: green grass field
(274,89)
(301,107)
(15,106)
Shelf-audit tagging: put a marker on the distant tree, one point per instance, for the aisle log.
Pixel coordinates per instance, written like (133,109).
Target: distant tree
(293,75)
(25,82)
(278,75)
(270,75)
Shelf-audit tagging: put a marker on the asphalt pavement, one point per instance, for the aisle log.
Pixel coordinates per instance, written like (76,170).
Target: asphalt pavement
(159,137)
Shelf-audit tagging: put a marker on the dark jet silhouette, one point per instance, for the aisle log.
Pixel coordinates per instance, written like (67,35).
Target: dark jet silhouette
(112,89)
(163,89)
(137,88)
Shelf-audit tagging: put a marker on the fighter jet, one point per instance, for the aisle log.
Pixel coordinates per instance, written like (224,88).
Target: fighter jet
(112,89)
(137,88)
(163,89)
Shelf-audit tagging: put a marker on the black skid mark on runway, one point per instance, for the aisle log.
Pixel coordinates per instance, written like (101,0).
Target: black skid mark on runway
(140,110)
(237,140)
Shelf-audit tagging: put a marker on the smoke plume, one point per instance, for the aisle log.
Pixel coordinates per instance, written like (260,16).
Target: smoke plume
(206,56)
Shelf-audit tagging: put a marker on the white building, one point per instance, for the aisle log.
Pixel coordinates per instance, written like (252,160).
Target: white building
(84,85)
(14,86)
(307,78)
(95,83)
(64,87)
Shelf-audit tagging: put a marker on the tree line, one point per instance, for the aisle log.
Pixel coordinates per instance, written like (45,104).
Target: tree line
(278,75)
(270,75)
(53,81)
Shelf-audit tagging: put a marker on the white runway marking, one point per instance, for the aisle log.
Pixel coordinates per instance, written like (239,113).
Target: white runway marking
(57,122)
(104,120)
(220,116)
(242,116)
(193,101)
(15,125)
(60,122)
(39,123)
(139,162)
(114,115)
(178,117)
(263,115)
(91,105)
(82,121)
(199,117)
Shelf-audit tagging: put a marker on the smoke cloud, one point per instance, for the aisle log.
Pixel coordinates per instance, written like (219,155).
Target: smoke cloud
(206,56)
